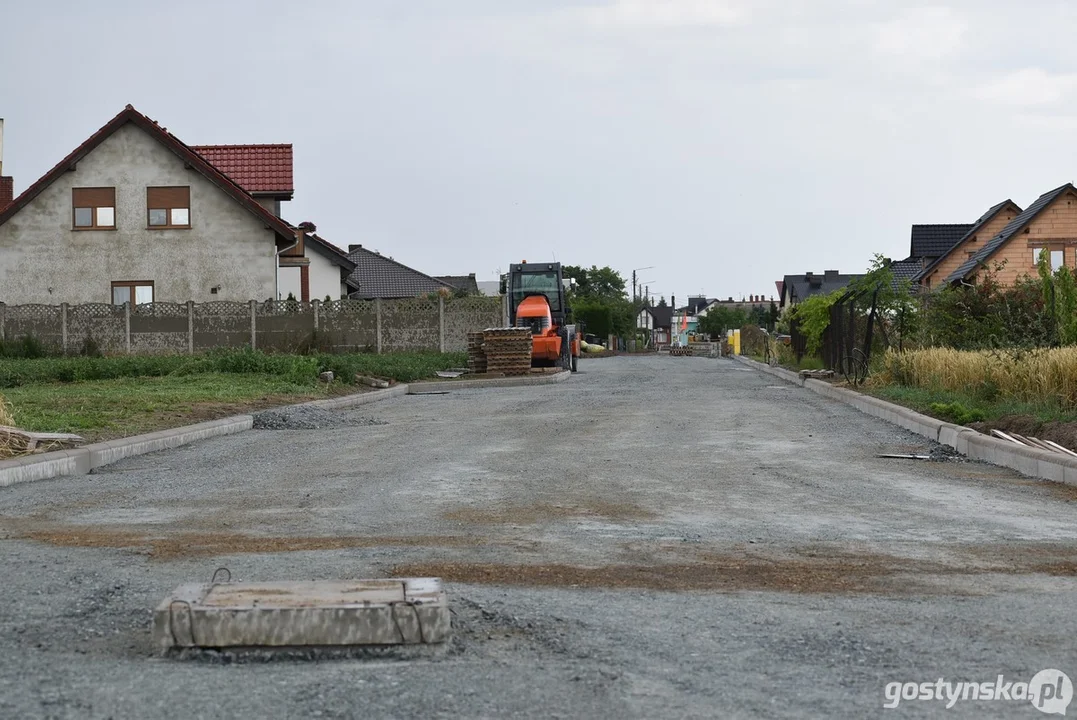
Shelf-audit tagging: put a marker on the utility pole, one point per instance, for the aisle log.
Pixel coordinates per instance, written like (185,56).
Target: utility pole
(635,296)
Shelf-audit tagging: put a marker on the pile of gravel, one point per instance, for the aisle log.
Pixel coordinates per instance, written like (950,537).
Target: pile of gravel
(945,453)
(308,418)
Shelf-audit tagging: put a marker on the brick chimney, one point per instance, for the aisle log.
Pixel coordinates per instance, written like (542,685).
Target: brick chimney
(7,184)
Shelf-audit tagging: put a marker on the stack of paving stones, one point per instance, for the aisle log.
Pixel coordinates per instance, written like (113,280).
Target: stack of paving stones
(476,354)
(508,350)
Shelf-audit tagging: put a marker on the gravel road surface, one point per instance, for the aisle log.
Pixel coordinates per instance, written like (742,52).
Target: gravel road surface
(656,537)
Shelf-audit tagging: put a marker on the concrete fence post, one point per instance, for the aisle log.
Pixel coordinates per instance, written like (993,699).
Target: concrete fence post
(441,324)
(127,325)
(3,321)
(63,328)
(190,327)
(377,320)
(254,325)
(317,304)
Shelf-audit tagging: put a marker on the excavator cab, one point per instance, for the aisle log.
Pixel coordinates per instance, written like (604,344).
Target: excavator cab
(536,296)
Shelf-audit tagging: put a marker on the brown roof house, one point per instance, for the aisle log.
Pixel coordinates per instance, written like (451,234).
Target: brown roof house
(1050,222)
(134,214)
(377,276)
(935,271)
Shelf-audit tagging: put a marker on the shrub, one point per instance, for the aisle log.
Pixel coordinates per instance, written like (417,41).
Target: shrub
(957,413)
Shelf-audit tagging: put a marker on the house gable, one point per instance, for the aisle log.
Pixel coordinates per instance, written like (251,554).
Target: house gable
(169,141)
(1049,222)
(228,253)
(986,227)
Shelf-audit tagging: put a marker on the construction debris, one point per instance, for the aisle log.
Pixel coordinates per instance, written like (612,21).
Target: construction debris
(895,456)
(817,374)
(406,611)
(507,350)
(1032,442)
(15,442)
(680,351)
(372,382)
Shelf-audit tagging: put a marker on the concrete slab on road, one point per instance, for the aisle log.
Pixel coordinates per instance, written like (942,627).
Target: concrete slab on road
(661,537)
(393,611)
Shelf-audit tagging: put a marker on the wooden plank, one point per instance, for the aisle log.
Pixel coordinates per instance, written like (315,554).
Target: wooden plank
(1060,448)
(1022,439)
(1041,444)
(29,435)
(1004,436)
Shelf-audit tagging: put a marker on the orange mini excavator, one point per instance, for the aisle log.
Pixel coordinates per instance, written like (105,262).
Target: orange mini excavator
(536,296)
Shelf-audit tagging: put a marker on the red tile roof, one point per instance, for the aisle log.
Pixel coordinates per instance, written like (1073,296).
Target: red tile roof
(7,191)
(255,168)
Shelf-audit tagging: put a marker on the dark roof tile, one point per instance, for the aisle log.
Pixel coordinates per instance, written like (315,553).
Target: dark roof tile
(1015,226)
(377,276)
(931,241)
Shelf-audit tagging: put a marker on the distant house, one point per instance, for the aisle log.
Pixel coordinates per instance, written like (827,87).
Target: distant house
(1049,223)
(466,284)
(661,324)
(986,227)
(798,288)
(746,304)
(377,276)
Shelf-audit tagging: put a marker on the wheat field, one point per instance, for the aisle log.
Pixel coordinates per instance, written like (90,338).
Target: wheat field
(1047,375)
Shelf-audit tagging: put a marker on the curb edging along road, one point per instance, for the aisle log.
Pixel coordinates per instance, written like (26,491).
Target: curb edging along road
(521,381)
(977,446)
(80,461)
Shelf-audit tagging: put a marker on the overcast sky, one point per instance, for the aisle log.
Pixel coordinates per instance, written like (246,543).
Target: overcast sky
(724,142)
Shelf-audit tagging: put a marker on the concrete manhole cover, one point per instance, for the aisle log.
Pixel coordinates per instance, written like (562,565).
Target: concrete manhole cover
(405,611)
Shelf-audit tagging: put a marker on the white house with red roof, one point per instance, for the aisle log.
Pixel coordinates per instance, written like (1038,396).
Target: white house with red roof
(133,214)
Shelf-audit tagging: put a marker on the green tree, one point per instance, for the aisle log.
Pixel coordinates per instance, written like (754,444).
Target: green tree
(716,321)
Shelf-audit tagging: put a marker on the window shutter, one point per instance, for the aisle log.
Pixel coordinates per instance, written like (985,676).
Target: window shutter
(93,197)
(166,198)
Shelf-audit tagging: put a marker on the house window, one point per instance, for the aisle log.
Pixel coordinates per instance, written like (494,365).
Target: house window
(1058,258)
(136,292)
(93,208)
(169,207)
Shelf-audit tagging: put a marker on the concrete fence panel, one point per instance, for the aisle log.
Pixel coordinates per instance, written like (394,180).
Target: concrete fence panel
(412,324)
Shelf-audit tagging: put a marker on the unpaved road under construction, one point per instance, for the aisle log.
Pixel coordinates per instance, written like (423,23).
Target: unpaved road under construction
(657,537)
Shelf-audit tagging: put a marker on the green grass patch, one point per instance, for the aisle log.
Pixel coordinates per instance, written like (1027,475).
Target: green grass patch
(109,397)
(99,409)
(298,369)
(962,408)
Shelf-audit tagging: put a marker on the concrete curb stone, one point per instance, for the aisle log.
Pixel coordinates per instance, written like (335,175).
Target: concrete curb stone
(490,383)
(1032,462)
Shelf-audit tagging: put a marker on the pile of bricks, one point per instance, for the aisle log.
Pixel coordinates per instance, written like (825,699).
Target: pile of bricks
(507,350)
(476,354)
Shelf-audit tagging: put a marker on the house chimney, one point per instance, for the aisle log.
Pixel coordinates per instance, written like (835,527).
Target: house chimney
(7,184)
(353,248)
(831,274)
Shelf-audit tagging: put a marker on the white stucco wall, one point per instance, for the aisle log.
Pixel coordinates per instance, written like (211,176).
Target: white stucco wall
(43,260)
(324,278)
